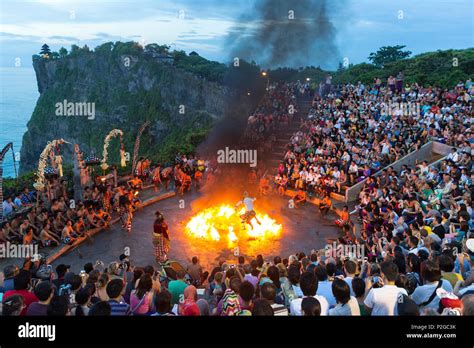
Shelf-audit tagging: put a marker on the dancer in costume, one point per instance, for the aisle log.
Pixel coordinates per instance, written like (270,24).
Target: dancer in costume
(125,210)
(249,211)
(161,239)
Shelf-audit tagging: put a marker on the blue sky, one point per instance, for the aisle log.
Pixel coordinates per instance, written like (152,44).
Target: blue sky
(202,25)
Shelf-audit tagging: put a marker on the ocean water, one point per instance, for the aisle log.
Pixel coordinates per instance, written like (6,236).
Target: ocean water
(18,96)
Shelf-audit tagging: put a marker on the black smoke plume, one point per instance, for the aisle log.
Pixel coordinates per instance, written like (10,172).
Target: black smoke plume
(287,33)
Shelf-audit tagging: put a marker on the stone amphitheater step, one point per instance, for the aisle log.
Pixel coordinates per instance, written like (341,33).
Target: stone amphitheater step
(315,200)
(284,134)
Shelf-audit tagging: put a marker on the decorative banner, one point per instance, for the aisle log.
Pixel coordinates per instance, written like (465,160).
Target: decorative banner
(40,181)
(137,145)
(113,133)
(59,162)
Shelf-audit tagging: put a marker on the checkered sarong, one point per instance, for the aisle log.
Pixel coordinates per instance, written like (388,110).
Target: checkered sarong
(126,218)
(161,246)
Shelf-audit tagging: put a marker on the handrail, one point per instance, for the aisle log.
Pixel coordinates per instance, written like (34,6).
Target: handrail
(357,187)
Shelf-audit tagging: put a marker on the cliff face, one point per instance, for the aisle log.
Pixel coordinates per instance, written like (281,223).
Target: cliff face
(124,90)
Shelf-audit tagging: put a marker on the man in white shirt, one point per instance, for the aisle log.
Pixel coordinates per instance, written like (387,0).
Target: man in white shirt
(453,156)
(309,286)
(383,301)
(249,212)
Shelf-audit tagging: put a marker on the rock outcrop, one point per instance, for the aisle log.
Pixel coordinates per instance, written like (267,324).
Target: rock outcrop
(125,90)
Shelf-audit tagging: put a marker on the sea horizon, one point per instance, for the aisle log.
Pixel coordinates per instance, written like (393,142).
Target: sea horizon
(18,97)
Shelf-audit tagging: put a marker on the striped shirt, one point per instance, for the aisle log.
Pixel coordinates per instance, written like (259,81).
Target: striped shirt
(119,308)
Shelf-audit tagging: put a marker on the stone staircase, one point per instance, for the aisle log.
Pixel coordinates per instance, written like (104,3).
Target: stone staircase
(284,134)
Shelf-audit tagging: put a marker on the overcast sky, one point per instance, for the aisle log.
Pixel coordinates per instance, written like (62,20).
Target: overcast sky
(202,25)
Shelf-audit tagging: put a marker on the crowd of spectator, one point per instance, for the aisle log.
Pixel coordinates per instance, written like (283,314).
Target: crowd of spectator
(321,283)
(355,131)
(413,229)
(275,111)
(50,218)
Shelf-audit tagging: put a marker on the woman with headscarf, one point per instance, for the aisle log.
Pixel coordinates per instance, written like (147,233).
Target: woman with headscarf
(188,306)
(161,239)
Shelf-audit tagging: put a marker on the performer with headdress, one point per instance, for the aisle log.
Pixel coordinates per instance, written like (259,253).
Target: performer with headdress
(161,239)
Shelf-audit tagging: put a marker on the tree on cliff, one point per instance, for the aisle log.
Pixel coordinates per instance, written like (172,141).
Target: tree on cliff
(388,54)
(62,52)
(75,50)
(155,48)
(45,51)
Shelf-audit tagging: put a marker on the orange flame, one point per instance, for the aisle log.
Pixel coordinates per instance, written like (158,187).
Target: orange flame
(215,222)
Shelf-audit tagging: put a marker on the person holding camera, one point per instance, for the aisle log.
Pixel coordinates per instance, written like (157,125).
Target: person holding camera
(383,300)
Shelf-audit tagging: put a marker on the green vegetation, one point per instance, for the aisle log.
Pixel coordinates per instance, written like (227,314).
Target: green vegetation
(45,51)
(99,76)
(212,71)
(388,54)
(440,68)
(129,85)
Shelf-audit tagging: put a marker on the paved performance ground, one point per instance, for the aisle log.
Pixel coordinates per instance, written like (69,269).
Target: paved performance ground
(303,229)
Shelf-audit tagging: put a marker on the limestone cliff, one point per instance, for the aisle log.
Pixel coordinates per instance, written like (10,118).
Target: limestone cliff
(127,88)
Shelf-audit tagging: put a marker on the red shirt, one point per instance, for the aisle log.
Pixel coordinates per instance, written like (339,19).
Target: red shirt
(28,297)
